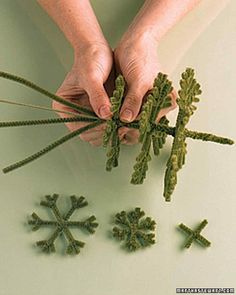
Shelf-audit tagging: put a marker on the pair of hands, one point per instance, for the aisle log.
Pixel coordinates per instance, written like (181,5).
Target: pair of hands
(91,81)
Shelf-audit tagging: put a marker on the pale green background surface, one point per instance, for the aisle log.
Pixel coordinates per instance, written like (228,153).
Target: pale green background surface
(32,46)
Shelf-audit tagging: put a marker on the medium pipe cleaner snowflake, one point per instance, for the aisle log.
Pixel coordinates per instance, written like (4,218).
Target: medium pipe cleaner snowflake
(134,230)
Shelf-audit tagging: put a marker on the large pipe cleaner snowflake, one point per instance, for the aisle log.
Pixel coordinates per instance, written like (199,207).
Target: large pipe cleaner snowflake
(62,224)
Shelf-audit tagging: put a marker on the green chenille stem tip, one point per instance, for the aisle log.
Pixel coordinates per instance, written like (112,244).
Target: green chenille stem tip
(50,147)
(45,92)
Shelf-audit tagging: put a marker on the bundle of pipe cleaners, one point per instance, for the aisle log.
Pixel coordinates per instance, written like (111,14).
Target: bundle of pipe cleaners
(152,134)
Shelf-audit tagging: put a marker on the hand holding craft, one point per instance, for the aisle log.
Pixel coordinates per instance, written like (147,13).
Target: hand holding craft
(135,56)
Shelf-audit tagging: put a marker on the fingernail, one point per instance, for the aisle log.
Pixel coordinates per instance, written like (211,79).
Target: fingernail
(127,115)
(104,111)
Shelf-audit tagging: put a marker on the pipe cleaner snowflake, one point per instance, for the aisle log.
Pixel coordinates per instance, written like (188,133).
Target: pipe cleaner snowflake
(62,224)
(134,230)
(194,235)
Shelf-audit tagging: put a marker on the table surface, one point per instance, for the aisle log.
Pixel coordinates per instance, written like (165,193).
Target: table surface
(33,47)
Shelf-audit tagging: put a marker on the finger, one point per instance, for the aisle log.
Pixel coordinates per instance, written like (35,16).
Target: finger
(93,133)
(71,93)
(122,131)
(79,97)
(92,136)
(96,143)
(128,142)
(131,137)
(70,90)
(99,128)
(128,136)
(61,108)
(72,126)
(99,99)
(133,101)
(76,95)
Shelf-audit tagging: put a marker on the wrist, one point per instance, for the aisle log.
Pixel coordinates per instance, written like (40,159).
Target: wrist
(82,43)
(139,35)
(85,46)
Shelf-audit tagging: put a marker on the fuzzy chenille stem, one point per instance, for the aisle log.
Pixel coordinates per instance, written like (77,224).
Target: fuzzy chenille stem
(188,133)
(47,121)
(160,127)
(194,235)
(195,135)
(51,146)
(60,220)
(208,137)
(50,241)
(47,93)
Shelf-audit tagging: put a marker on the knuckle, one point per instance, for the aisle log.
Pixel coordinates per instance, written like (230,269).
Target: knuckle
(145,85)
(133,100)
(83,137)
(55,105)
(141,82)
(95,143)
(95,75)
(97,96)
(71,126)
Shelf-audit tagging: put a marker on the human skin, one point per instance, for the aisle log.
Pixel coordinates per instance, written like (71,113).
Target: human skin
(92,76)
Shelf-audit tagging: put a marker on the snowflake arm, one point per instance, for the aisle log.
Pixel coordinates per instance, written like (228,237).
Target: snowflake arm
(187,96)
(159,137)
(157,100)
(48,246)
(111,138)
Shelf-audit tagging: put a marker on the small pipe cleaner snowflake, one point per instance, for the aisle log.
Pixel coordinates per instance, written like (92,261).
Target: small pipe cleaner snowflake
(134,230)
(194,235)
(62,224)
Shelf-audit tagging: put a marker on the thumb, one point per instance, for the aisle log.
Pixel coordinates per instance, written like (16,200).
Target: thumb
(133,101)
(99,100)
